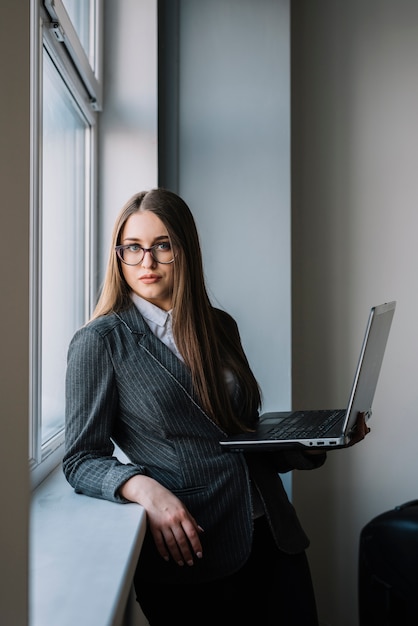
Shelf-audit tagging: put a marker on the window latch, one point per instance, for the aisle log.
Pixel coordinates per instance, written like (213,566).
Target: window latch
(58,31)
(94,105)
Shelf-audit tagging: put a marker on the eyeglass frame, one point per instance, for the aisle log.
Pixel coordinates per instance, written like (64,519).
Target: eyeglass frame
(144,250)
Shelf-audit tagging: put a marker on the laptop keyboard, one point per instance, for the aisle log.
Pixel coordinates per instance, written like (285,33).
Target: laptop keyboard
(304,425)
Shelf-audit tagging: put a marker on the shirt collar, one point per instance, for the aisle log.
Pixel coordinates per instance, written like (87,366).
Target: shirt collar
(150,311)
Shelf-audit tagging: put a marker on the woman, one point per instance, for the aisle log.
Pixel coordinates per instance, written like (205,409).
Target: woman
(162,373)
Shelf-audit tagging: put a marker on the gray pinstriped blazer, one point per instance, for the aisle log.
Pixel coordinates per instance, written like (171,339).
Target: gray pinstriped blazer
(123,384)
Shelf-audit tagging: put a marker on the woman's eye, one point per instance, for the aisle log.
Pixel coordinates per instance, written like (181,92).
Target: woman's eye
(164,245)
(134,248)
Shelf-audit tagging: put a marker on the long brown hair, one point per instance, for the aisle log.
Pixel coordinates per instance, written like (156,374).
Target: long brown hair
(207,338)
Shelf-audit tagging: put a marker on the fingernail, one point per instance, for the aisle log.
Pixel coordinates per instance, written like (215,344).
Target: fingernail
(199,555)
(181,563)
(190,562)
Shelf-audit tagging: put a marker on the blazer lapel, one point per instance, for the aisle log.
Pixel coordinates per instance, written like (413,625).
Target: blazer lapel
(156,349)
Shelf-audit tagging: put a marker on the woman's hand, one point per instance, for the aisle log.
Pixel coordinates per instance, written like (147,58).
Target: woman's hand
(360,430)
(358,434)
(174,529)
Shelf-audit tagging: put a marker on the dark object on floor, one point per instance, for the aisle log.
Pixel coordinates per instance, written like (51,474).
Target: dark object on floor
(388,568)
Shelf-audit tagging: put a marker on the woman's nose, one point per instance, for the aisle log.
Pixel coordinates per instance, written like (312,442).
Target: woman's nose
(148,260)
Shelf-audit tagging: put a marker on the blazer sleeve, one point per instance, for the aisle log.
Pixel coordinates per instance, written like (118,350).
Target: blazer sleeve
(89,463)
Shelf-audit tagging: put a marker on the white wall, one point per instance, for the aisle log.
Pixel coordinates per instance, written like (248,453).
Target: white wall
(355,198)
(14,326)
(128,124)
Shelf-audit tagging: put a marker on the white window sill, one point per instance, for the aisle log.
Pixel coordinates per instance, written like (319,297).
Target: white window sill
(83,553)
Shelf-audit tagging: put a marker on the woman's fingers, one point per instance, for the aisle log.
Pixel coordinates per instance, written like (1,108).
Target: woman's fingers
(180,542)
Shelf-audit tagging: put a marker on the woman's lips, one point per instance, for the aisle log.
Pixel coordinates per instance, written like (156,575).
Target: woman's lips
(148,279)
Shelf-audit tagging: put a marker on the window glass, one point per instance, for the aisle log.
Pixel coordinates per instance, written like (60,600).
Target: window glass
(65,139)
(81,14)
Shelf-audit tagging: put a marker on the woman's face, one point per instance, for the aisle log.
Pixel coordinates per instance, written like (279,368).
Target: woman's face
(151,280)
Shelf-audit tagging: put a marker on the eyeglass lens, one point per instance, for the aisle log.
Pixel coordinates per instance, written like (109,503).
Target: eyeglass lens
(134,254)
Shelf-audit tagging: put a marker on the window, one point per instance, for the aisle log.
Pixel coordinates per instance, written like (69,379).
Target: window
(82,16)
(67,96)
(65,132)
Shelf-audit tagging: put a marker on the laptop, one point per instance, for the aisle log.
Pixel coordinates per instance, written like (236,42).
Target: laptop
(329,428)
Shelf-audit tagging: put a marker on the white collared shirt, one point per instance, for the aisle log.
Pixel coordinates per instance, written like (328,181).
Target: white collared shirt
(159,321)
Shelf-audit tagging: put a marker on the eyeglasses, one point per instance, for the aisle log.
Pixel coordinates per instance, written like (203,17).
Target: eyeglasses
(133,254)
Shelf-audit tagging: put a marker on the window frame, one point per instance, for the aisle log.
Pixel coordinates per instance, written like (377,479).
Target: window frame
(65,32)
(44,458)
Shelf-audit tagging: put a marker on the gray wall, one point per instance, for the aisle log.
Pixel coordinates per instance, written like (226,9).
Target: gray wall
(234,169)
(355,224)
(14,316)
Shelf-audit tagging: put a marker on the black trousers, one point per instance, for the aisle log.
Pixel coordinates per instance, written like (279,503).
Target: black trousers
(272,589)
